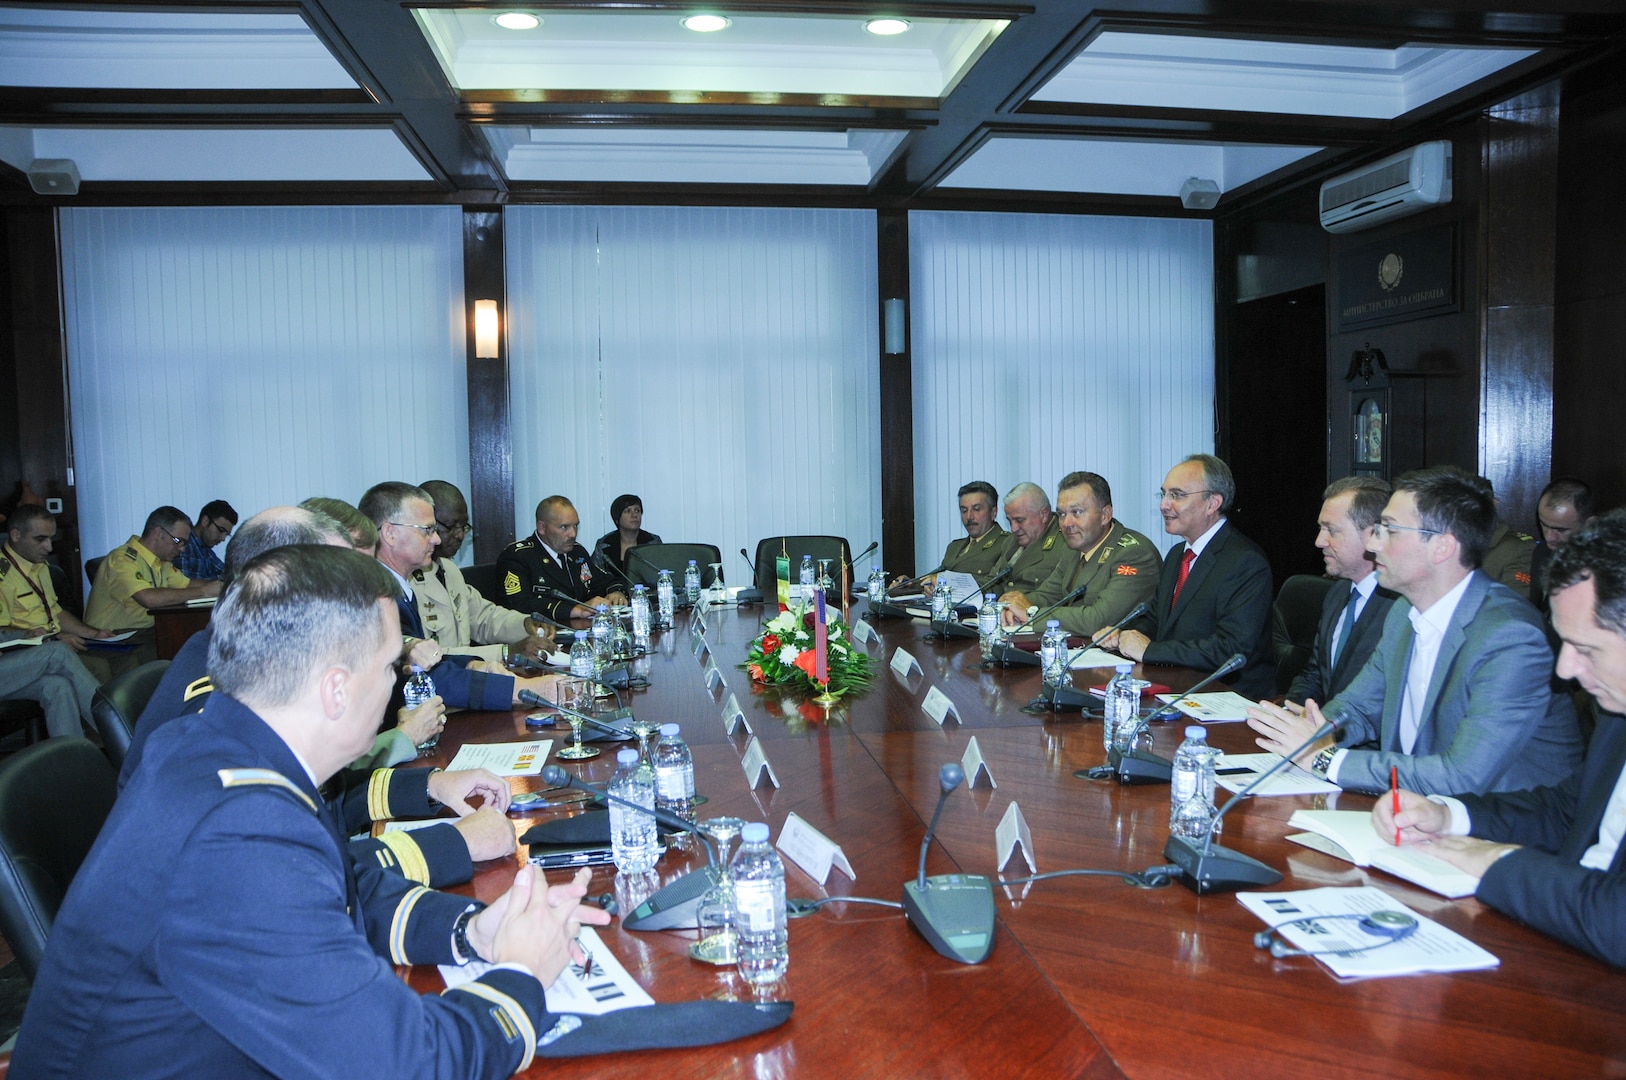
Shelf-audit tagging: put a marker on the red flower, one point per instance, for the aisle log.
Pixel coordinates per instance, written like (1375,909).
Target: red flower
(755,672)
(770,644)
(811,712)
(807,619)
(806,660)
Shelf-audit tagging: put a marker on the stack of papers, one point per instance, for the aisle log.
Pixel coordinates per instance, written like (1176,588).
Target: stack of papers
(1431,948)
(1224,707)
(1292,780)
(603,986)
(1348,835)
(504,759)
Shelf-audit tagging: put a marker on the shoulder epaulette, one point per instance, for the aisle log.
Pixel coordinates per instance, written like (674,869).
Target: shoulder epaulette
(5,566)
(1127,539)
(232,778)
(197,688)
(1524,536)
(523,545)
(130,553)
(417,575)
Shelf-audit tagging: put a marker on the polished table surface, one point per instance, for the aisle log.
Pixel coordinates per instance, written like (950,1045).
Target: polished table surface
(1088,976)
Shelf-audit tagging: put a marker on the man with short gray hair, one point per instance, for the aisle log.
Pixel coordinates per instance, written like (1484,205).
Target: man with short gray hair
(1036,547)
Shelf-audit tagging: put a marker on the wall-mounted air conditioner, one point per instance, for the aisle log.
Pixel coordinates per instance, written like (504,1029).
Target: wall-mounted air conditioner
(1400,184)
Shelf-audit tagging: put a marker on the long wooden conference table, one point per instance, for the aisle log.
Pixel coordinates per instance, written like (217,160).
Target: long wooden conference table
(1088,976)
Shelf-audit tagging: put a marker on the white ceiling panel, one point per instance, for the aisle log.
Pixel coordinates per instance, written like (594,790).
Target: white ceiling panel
(1116,166)
(192,154)
(112,48)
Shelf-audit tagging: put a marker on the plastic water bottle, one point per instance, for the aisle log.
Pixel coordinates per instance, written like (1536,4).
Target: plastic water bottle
(1209,785)
(1122,708)
(1053,654)
(691,583)
(640,619)
(420,688)
(988,625)
(583,660)
(759,897)
(1189,810)
(942,605)
(877,585)
(805,579)
(633,843)
(602,629)
(665,597)
(674,774)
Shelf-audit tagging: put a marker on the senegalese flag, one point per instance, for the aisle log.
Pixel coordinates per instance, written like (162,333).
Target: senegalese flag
(821,640)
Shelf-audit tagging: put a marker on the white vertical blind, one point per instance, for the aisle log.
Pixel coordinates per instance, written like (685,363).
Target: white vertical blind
(1048,343)
(719,363)
(260,355)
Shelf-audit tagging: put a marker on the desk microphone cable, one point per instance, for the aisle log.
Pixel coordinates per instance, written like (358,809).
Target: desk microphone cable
(1151,878)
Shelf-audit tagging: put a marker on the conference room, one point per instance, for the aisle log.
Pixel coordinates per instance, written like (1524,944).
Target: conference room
(263,254)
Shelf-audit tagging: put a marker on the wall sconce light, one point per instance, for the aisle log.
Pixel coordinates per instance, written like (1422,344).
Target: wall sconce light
(485,330)
(894,325)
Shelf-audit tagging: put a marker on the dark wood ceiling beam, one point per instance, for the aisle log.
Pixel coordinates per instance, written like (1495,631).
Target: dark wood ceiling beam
(1179,125)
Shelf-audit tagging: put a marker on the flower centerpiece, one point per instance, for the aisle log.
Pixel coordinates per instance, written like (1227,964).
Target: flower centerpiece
(783,654)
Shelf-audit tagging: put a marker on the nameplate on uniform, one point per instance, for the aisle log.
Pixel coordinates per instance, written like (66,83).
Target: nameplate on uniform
(1011,831)
(734,716)
(975,766)
(903,662)
(756,763)
(939,707)
(714,678)
(863,632)
(810,849)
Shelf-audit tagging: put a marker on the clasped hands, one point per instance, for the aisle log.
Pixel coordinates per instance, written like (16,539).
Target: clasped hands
(487,831)
(535,924)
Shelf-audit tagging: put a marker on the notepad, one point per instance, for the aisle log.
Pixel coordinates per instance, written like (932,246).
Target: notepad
(1348,835)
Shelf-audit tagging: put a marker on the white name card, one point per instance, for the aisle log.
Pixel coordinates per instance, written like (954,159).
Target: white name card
(903,662)
(700,646)
(810,849)
(863,632)
(974,766)
(756,763)
(1012,830)
(734,716)
(714,678)
(697,621)
(939,707)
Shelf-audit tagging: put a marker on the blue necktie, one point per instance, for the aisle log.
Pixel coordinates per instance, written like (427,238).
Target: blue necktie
(1347,627)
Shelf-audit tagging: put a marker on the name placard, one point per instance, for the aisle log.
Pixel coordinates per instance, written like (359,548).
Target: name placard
(714,677)
(939,707)
(810,849)
(756,765)
(975,766)
(734,716)
(863,632)
(1012,830)
(903,662)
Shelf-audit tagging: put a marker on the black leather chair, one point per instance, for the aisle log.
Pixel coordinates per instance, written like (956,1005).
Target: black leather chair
(54,797)
(1295,620)
(484,580)
(834,548)
(23,713)
(646,561)
(91,566)
(118,705)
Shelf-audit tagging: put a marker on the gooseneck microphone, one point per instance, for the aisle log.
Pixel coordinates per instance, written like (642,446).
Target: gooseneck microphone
(1207,867)
(1143,766)
(752,595)
(677,906)
(953,912)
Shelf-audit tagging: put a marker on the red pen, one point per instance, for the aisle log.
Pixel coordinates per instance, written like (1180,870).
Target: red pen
(1394,793)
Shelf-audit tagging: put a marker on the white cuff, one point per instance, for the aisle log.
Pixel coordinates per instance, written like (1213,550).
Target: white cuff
(1335,764)
(1460,825)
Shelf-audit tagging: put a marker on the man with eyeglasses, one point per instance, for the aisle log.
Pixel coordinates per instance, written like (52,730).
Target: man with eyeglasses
(1456,698)
(1213,598)
(197,559)
(453,612)
(140,576)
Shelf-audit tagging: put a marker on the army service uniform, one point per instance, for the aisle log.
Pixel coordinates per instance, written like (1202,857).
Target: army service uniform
(1121,572)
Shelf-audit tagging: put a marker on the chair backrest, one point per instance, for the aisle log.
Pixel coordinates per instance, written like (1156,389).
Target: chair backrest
(484,580)
(1295,621)
(117,705)
(92,565)
(646,561)
(54,797)
(770,548)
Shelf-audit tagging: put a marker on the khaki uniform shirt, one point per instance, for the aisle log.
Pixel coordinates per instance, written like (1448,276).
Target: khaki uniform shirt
(126,571)
(458,618)
(981,557)
(27,597)
(1122,572)
(1034,563)
(1508,559)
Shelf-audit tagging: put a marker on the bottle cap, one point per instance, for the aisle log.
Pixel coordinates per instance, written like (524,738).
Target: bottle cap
(669,729)
(1196,731)
(691,562)
(988,598)
(581,635)
(601,607)
(416,670)
(1054,624)
(1125,669)
(754,833)
(626,757)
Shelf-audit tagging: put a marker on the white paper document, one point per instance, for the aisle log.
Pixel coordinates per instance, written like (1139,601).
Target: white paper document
(202,601)
(1348,835)
(975,766)
(810,849)
(603,986)
(1292,780)
(1223,707)
(1094,658)
(939,707)
(504,759)
(1431,948)
(962,587)
(15,642)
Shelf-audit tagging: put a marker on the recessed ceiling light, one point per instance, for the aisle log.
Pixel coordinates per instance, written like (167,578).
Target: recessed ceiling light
(887,27)
(706,24)
(517,20)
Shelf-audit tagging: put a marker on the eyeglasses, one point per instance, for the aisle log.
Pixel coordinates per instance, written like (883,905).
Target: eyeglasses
(177,541)
(444,529)
(224,528)
(427,530)
(1382,529)
(1176,495)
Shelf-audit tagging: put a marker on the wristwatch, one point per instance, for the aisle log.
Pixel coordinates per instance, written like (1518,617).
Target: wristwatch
(1323,760)
(460,935)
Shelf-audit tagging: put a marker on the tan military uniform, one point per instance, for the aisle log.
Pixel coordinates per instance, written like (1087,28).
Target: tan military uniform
(981,558)
(1508,559)
(1121,572)
(456,616)
(27,598)
(1035,563)
(125,572)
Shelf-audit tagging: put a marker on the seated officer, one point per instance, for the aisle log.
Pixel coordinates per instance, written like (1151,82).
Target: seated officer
(216,927)
(985,543)
(139,576)
(1035,548)
(551,573)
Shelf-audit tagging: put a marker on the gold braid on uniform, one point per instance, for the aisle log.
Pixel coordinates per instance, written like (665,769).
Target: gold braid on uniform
(378,795)
(406,852)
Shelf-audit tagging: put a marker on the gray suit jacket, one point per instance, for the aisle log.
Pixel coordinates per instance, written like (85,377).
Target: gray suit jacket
(1491,721)
(1321,681)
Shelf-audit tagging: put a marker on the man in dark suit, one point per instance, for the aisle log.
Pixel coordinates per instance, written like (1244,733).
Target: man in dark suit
(1456,695)
(1352,615)
(536,569)
(1213,598)
(217,929)
(1552,857)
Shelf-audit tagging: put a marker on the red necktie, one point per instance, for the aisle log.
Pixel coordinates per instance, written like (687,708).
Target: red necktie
(1185,572)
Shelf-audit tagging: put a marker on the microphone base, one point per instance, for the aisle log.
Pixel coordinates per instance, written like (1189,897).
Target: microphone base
(675,907)
(748,596)
(1008,655)
(1060,699)
(955,914)
(885,609)
(942,631)
(1218,870)
(1140,767)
